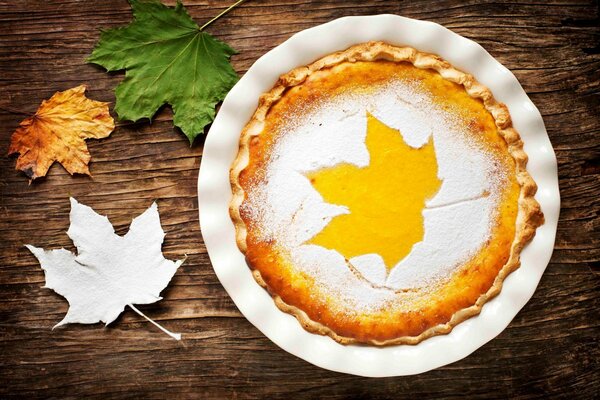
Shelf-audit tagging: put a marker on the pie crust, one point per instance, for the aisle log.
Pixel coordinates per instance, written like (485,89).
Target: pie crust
(529,215)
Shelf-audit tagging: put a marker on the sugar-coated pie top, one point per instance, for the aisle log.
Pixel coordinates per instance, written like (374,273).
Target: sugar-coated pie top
(380,195)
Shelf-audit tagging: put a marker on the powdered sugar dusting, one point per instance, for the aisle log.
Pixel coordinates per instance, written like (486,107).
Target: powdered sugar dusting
(457,220)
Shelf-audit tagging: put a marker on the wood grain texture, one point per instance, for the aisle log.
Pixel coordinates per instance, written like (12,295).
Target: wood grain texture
(551,348)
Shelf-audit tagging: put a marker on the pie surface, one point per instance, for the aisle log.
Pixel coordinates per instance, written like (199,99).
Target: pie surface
(381,196)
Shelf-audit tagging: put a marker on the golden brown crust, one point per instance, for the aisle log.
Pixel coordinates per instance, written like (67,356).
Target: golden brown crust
(529,214)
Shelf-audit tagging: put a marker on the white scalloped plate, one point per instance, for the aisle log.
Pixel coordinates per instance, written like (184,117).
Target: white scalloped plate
(214,194)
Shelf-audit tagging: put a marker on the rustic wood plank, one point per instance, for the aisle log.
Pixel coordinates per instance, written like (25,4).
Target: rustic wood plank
(551,348)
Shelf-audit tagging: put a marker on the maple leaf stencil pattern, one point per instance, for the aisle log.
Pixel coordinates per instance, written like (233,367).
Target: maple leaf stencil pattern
(385,199)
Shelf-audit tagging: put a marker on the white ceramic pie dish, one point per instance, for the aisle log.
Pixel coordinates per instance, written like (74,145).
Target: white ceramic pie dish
(214,194)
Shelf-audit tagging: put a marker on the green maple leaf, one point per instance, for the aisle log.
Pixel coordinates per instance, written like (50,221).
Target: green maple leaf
(168,59)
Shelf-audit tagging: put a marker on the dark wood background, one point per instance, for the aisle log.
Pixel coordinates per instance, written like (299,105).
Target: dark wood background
(552,346)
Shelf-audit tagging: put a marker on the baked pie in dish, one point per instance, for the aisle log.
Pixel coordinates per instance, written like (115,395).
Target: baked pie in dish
(381,195)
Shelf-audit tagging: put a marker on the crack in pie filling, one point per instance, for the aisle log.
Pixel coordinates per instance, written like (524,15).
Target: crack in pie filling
(381,195)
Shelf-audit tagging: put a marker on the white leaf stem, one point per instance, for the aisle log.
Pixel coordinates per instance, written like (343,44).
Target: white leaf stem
(176,336)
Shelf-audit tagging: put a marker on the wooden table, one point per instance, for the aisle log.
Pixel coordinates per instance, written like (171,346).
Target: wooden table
(552,346)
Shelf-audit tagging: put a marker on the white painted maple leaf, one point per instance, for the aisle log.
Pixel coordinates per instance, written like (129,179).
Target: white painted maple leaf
(109,271)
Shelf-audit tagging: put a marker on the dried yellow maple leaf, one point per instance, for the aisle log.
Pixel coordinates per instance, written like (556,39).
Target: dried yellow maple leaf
(385,199)
(57,132)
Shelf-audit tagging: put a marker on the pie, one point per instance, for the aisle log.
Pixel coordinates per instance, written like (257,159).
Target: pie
(381,195)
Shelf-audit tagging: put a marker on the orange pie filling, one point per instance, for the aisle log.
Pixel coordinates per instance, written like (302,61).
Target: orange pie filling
(349,236)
